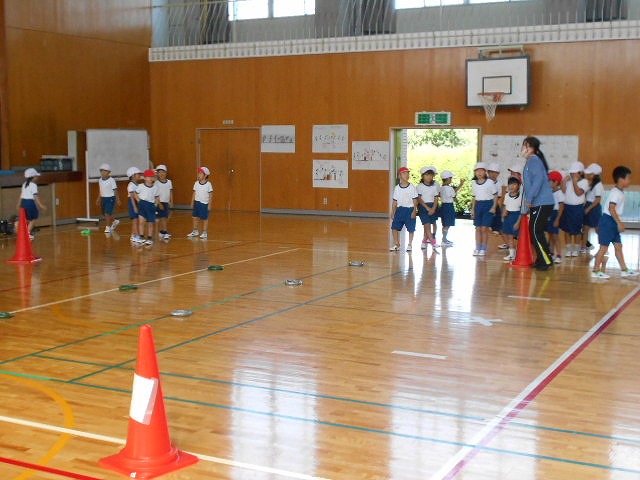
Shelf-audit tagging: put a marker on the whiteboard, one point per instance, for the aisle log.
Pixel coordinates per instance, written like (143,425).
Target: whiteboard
(119,148)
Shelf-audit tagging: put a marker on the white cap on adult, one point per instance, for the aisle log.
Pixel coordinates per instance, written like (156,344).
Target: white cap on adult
(576,167)
(31,172)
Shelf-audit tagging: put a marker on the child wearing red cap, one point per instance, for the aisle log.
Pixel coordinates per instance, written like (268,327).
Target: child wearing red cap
(148,202)
(553,227)
(404,209)
(201,202)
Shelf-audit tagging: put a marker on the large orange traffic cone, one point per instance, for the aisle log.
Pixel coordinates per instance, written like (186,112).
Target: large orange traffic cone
(524,253)
(148,452)
(24,254)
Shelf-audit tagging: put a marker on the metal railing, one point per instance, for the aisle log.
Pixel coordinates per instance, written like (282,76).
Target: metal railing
(208,22)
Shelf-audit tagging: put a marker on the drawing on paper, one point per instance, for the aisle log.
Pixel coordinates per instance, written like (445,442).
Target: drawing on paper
(330,174)
(370,155)
(330,139)
(278,139)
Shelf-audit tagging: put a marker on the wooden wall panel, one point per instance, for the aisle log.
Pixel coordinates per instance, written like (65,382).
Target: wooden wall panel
(375,91)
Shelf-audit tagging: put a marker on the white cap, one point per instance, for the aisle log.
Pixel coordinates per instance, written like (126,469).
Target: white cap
(594,169)
(494,167)
(480,165)
(104,166)
(428,168)
(161,167)
(446,174)
(515,168)
(31,172)
(576,167)
(131,171)
(204,170)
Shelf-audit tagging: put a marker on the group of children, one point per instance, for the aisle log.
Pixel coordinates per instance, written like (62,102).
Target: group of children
(578,208)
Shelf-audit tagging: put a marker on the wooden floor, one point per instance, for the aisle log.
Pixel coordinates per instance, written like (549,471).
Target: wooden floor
(413,366)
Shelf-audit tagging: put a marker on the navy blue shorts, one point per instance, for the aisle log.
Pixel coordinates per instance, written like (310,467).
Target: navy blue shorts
(550,228)
(572,219)
(163,212)
(201,210)
(424,215)
(592,219)
(608,231)
(448,214)
(108,205)
(509,222)
(132,210)
(402,218)
(496,226)
(147,210)
(482,217)
(30,207)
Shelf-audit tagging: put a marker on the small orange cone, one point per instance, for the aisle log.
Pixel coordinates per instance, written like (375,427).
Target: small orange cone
(148,452)
(24,254)
(524,253)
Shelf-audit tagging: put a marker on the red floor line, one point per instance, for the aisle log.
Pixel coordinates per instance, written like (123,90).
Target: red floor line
(515,411)
(42,468)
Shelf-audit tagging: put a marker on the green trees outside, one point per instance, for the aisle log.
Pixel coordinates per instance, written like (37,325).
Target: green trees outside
(445,149)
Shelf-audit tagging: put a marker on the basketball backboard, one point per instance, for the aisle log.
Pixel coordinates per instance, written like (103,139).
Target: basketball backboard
(509,75)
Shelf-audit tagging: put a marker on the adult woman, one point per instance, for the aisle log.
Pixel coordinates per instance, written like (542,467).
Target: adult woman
(538,199)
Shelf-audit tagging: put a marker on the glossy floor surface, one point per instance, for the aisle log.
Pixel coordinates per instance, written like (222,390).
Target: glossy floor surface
(416,365)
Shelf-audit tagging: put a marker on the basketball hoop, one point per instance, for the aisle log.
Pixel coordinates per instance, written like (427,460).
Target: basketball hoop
(490,101)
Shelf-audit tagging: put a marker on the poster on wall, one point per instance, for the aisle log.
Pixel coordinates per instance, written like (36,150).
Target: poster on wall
(278,139)
(330,174)
(370,155)
(330,139)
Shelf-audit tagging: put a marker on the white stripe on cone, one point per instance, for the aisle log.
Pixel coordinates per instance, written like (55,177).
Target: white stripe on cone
(143,398)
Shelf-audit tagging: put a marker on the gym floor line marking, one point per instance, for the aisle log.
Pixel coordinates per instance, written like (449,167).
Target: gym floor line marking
(101,292)
(541,299)
(422,355)
(42,468)
(480,441)
(119,441)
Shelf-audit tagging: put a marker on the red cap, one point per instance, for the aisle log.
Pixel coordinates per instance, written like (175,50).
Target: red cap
(556,176)
(150,173)
(402,169)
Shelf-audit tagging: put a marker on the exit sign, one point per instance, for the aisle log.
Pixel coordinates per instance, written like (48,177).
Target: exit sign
(433,118)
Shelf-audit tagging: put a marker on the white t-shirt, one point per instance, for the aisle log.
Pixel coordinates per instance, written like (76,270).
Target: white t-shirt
(107,187)
(132,187)
(499,184)
(202,191)
(558,198)
(147,193)
(615,196)
(570,197)
(484,191)
(404,196)
(164,190)
(594,192)
(428,193)
(29,191)
(447,194)
(513,204)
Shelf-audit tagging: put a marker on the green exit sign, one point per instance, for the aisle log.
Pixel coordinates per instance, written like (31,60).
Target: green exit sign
(433,118)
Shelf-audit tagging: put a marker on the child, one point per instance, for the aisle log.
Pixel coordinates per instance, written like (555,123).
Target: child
(555,180)
(448,211)
(511,224)
(29,199)
(574,188)
(404,209)
(201,202)
(148,202)
(593,207)
(496,226)
(483,207)
(134,174)
(108,197)
(165,191)
(611,225)
(428,192)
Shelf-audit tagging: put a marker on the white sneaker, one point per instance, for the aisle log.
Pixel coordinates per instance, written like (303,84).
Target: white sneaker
(558,259)
(503,246)
(628,273)
(482,253)
(107,229)
(148,241)
(509,258)
(167,235)
(203,235)
(409,248)
(600,275)
(395,248)
(115,223)
(195,233)
(424,244)
(476,253)
(574,253)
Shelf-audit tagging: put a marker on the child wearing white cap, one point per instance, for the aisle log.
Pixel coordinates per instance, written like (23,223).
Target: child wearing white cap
(428,192)
(135,175)
(29,199)
(483,207)
(165,190)
(107,197)
(574,187)
(593,207)
(447,209)
(201,202)
(496,226)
